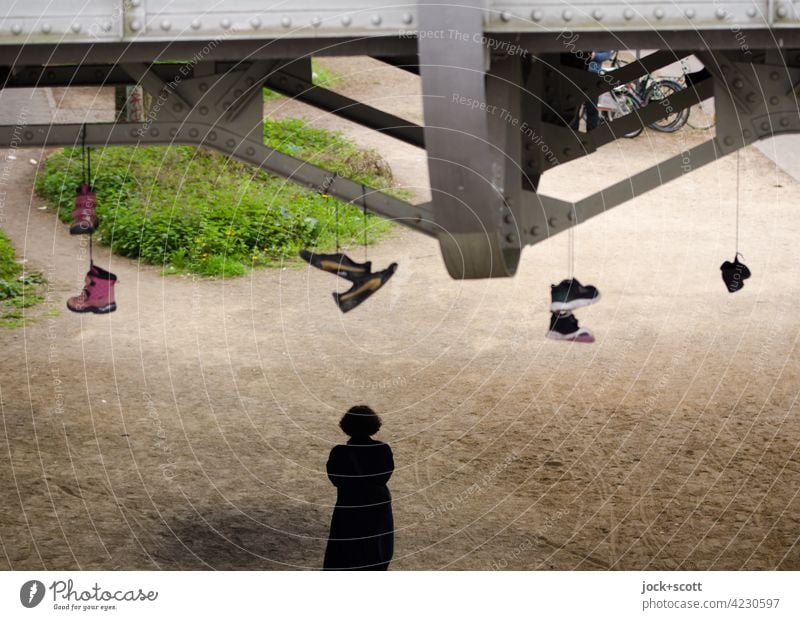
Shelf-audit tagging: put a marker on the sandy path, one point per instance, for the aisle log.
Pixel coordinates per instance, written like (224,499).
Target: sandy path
(190,428)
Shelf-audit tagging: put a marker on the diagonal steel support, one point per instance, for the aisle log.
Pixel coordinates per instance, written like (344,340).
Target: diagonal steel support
(546,216)
(576,145)
(653,111)
(417,217)
(599,83)
(347,108)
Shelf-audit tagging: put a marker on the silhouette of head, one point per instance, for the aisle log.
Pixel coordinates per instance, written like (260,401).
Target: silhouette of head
(360,421)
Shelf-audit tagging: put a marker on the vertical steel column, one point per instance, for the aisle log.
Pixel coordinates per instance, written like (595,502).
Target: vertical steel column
(472,138)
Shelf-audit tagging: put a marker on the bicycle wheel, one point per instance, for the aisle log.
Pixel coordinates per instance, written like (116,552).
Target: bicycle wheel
(661,91)
(702,115)
(626,104)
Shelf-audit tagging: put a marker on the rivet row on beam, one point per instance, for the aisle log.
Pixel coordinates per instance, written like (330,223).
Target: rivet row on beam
(567,15)
(286,22)
(628,14)
(137,24)
(47,28)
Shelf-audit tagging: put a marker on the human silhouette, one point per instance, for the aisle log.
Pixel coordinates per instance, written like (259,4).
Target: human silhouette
(362,526)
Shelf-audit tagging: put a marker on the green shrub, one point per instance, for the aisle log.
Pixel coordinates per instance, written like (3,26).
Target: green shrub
(17,289)
(9,268)
(190,209)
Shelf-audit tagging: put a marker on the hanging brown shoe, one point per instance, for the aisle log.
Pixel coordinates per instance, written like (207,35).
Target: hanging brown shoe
(363,288)
(340,264)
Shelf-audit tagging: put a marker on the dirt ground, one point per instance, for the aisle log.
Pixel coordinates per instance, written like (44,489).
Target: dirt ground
(190,429)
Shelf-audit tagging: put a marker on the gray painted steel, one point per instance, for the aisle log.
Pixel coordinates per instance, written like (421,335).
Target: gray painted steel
(92,21)
(502,83)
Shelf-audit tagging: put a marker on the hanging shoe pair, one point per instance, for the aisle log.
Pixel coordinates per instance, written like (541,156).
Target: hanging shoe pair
(97,295)
(84,215)
(365,282)
(565,297)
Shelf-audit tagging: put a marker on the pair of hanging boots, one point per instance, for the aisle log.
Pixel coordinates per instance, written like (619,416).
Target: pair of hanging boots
(84,215)
(364,281)
(97,295)
(565,297)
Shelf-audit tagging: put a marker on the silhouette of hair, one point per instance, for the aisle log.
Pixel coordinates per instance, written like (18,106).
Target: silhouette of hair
(360,421)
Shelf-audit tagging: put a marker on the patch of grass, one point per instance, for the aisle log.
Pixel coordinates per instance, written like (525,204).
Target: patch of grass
(324,77)
(192,210)
(26,301)
(18,289)
(9,267)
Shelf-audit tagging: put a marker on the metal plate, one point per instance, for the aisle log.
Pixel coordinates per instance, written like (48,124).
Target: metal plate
(599,15)
(67,21)
(87,21)
(156,20)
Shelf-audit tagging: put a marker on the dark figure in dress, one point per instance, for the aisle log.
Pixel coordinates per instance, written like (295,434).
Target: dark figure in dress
(362,526)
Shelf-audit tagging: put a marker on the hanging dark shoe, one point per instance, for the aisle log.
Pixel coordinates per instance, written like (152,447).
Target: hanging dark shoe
(84,215)
(363,288)
(571,294)
(564,326)
(340,264)
(734,274)
(97,295)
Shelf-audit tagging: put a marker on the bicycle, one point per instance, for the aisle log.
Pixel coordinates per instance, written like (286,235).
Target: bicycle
(647,89)
(617,103)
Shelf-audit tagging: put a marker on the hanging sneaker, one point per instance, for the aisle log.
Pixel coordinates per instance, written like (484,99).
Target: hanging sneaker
(84,216)
(340,264)
(98,294)
(571,294)
(734,274)
(564,326)
(363,288)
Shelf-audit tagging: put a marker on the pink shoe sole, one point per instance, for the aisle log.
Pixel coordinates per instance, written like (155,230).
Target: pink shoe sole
(584,337)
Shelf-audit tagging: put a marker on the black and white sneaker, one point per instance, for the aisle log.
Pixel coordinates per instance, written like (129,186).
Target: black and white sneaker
(564,326)
(571,294)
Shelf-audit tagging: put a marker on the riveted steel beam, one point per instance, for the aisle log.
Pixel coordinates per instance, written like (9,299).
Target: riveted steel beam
(752,100)
(248,84)
(246,149)
(650,38)
(84,75)
(406,63)
(280,76)
(210,49)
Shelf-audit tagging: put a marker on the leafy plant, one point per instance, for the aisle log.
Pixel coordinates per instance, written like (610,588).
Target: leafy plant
(18,289)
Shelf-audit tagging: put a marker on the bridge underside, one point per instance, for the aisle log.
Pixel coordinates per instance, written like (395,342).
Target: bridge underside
(501,87)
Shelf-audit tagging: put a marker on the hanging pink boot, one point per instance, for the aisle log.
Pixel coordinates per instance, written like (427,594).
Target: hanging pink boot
(98,294)
(84,216)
